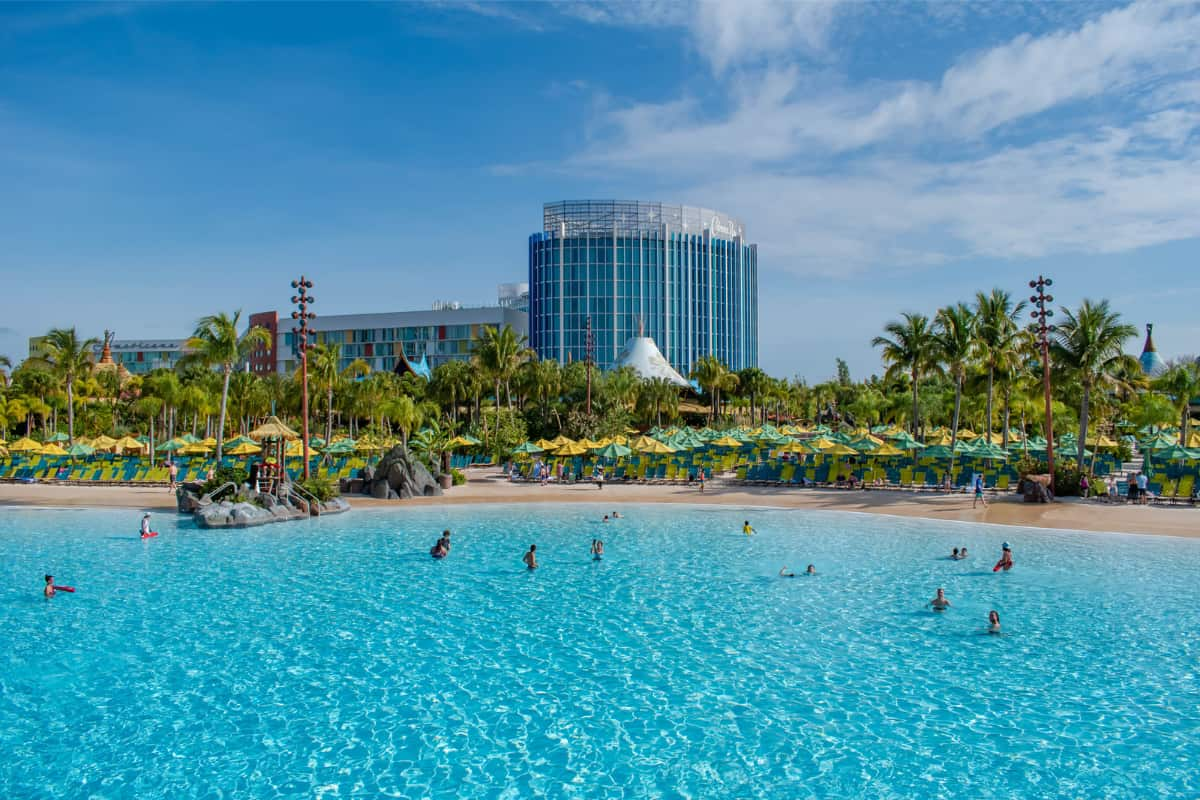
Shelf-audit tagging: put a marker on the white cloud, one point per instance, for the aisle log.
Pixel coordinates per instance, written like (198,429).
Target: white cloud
(835,178)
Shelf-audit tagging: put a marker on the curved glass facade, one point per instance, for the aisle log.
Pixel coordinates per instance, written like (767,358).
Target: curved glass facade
(684,275)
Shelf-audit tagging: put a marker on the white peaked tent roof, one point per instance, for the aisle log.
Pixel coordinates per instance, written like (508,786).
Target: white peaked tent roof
(643,356)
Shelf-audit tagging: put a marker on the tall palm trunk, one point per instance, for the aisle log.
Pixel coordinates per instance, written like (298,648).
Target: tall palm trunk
(1007,416)
(228,370)
(1083,422)
(991,376)
(71,409)
(329,415)
(914,408)
(958,387)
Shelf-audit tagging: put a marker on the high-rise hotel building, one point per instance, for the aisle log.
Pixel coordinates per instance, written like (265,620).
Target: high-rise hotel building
(685,276)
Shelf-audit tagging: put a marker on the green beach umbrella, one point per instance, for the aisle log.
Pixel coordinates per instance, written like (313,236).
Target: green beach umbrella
(171,446)
(57,436)
(343,447)
(1173,453)
(612,450)
(990,451)
(938,451)
(905,441)
(80,449)
(527,448)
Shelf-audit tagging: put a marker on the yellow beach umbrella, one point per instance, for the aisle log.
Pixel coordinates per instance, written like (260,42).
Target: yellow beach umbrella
(571,449)
(821,444)
(457,441)
(209,442)
(725,441)
(53,450)
(967,434)
(840,449)
(795,447)
(547,444)
(296,448)
(127,443)
(653,447)
(559,441)
(103,443)
(24,445)
(243,449)
(196,449)
(942,438)
(887,451)
(588,444)
(620,438)
(1103,441)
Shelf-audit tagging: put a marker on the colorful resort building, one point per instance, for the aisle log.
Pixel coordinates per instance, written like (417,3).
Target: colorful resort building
(133,356)
(601,271)
(396,341)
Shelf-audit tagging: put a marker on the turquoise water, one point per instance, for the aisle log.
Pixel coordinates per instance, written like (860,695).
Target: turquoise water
(338,660)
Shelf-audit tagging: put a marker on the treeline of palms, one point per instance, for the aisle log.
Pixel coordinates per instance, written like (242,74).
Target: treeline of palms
(972,364)
(987,356)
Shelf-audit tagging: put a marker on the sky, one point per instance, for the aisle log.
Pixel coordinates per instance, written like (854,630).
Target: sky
(160,162)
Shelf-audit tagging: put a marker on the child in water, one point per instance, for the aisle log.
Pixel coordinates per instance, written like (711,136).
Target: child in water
(597,550)
(746,529)
(993,621)
(49,590)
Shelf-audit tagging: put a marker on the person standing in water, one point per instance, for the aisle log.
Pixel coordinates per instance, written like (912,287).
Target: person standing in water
(812,570)
(746,529)
(530,558)
(940,603)
(597,550)
(1006,560)
(49,590)
(993,621)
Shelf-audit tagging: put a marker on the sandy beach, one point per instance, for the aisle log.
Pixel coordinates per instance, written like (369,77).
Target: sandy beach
(490,487)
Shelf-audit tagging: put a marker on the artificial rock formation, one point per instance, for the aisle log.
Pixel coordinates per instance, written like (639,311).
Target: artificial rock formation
(399,475)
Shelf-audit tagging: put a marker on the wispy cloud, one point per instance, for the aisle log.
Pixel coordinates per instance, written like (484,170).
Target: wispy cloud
(837,176)
(47,16)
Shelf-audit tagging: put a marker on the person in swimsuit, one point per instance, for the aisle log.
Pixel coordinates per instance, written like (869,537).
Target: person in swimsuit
(49,590)
(597,550)
(993,621)
(146,526)
(783,573)
(173,471)
(445,541)
(954,554)
(530,558)
(812,570)
(746,529)
(1006,562)
(962,553)
(605,518)
(616,515)
(979,498)
(940,603)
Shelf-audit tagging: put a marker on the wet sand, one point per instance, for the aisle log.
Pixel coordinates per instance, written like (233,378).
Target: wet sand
(489,487)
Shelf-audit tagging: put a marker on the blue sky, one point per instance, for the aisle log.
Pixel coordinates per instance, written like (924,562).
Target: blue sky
(163,161)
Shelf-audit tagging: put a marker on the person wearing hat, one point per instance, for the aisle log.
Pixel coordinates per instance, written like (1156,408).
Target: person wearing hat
(146,532)
(1005,563)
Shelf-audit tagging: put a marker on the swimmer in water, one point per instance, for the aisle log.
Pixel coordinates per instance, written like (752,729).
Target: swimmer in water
(812,570)
(940,603)
(993,621)
(597,550)
(530,558)
(746,529)
(146,527)
(962,553)
(616,515)
(954,554)
(445,541)
(783,573)
(49,590)
(605,518)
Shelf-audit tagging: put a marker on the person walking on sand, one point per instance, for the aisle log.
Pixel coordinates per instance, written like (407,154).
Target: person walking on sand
(173,473)
(979,487)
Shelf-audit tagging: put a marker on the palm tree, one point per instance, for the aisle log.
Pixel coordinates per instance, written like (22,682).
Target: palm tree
(755,383)
(1182,384)
(910,349)
(406,413)
(323,363)
(71,358)
(216,342)
(501,352)
(713,377)
(954,338)
(657,394)
(1088,344)
(5,364)
(452,381)
(995,331)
